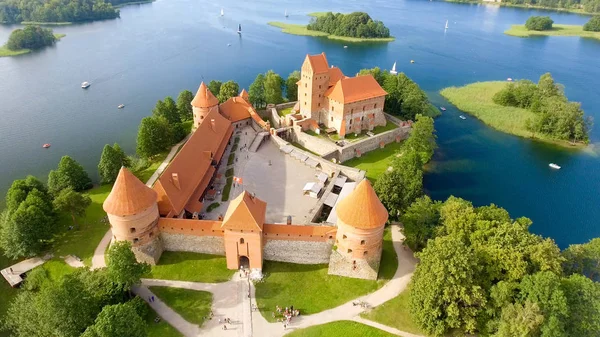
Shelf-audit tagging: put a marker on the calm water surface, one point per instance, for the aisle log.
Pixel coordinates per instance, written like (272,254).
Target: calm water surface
(161,48)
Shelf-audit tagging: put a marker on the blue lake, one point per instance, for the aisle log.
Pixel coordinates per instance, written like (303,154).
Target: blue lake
(159,49)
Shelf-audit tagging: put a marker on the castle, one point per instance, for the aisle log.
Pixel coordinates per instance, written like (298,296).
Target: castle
(344,104)
(164,217)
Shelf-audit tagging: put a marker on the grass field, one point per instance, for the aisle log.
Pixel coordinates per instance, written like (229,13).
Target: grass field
(375,162)
(194,306)
(310,289)
(195,267)
(476,99)
(527,6)
(395,313)
(340,328)
(284,112)
(4,51)
(557,30)
(302,30)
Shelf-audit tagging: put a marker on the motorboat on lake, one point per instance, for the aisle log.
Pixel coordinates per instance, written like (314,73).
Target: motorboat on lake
(442,108)
(286,14)
(222,12)
(554,166)
(85,85)
(509,79)
(239,29)
(412,61)
(45,146)
(121,106)
(462,117)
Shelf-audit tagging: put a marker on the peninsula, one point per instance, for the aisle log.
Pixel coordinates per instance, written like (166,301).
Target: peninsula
(590,7)
(524,109)
(337,26)
(23,41)
(544,26)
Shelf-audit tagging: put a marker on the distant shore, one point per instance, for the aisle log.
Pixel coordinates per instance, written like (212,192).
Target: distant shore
(557,30)
(5,52)
(295,29)
(503,4)
(133,3)
(476,100)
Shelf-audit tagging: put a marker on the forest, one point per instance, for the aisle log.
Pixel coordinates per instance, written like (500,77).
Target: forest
(357,24)
(30,37)
(589,6)
(16,11)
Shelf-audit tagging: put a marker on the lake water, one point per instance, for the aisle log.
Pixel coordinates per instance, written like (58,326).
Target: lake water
(159,49)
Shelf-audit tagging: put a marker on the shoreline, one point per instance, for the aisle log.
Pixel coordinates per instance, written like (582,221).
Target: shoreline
(295,29)
(141,2)
(501,4)
(557,30)
(471,99)
(5,52)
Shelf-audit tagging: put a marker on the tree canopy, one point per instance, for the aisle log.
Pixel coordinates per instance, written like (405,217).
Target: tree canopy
(117,320)
(123,268)
(16,11)
(589,6)
(215,87)
(357,24)
(555,116)
(184,105)
(30,37)
(154,136)
(593,25)
(69,174)
(291,88)
(539,23)
(227,90)
(256,92)
(72,202)
(111,161)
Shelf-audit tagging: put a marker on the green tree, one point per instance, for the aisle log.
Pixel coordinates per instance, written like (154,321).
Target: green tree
(20,189)
(36,278)
(454,300)
(583,299)
(118,320)
(583,259)
(168,110)
(544,288)
(420,221)
(30,37)
(256,92)
(184,105)
(547,87)
(154,136)
(422,138)
(593,25)
(215,87)
(520,320)
(227,90)
(291,88)
(539,23)
(70,174)
(111,161)
(72,202)
(377,74)
(123,268)
(273,84)
(357,24)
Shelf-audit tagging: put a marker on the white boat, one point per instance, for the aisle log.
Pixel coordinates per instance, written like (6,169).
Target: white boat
(121,106)
(446,24)
(239,29)
(85,85)
(229,45)
(222,12)
(286,14)
(393,71)
(554,166)
(462,117)
(509,79)
(345,47)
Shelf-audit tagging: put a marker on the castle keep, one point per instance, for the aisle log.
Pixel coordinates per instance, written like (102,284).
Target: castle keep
(168,215)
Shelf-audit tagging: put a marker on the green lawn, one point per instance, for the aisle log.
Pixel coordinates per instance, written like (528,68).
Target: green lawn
(194,306)
(302,30)
(310,289)
(353,137)
(340,328)
(476,99)
(284,112)
(557,30)
(195,267)
(147,171)
(4,51)
(375,162)
(304,149)
(395,313)
(160,329)
(6,292)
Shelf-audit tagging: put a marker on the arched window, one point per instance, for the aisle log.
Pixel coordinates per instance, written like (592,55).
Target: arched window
(365,253)
(375,107)
(132,230)
(242,241)
(349,250)
(362,242)
(344,236)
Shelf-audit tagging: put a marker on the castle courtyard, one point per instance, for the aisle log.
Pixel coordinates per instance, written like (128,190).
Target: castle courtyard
(274,177)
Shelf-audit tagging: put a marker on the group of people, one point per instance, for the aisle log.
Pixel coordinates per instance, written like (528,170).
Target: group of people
(286,315)
(225,321)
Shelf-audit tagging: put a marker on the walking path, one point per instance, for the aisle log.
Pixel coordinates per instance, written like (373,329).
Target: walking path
(98,258)
(166,162)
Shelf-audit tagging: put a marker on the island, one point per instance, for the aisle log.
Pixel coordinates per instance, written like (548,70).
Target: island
(23,41)
(590,30)
(577,6)
(537,111)
(353,27)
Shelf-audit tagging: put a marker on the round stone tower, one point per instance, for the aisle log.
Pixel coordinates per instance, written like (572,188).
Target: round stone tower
(132,210)
(359,239)
(202,103)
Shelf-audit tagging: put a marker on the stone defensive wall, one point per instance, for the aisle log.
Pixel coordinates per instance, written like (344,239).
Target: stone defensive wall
(190,235)
(298,243)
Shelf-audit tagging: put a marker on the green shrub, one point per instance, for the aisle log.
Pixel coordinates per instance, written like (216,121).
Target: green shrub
(230,159)
(593,25)
(212,206)
(229,172)
(227,189)
(539,23)
(234,148)
(236,140)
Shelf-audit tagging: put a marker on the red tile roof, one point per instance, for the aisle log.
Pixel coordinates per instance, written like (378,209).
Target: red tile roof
(353,89)
(204,98)
(244,95)
(318,63)
(245,212)
(129,195)
(335,74)
(362,208)
(236,109)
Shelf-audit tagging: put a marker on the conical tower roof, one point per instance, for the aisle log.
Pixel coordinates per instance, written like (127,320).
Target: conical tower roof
(129,195)
(204,98)
(244,94)
(245,212)
(362,208)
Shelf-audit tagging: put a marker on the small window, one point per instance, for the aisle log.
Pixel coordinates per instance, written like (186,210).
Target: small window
(242,241)
(151,234)
(305,85)
(332,108)
(344,236)
(362,242)
(363,108)
(318,104)
(362,118)
(351,111)
(304,103)
(332,118)
(349,250)
(132,230)
(319,88)
(136,240)
(304,94)
(350,121)
(375,106)
(365,253)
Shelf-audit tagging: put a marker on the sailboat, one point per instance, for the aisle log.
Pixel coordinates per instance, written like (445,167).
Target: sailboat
(393,71)
(222,12)
(240,29)
(286,14)
(446,24)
